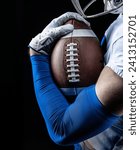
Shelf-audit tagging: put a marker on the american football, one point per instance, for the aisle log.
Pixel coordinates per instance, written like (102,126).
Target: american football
(77,58)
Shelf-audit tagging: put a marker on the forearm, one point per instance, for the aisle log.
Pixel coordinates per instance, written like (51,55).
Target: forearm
(67,124)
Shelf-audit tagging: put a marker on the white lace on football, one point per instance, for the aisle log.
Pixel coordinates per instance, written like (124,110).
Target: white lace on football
(72,63)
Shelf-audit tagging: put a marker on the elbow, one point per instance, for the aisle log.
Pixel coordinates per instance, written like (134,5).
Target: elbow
(61,138)
(60,131)
(62,141)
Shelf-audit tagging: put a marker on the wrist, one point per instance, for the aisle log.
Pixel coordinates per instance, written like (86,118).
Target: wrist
(33,52)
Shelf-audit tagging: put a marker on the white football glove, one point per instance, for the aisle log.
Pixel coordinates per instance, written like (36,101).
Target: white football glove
(43,42)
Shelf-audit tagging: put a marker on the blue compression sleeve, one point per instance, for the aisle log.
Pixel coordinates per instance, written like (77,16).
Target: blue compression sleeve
(68,123)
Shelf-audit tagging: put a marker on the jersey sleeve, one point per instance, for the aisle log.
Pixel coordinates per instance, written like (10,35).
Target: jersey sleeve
(114,46)
(115,62)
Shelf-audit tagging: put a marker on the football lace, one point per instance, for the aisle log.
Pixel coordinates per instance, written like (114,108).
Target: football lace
(72,60)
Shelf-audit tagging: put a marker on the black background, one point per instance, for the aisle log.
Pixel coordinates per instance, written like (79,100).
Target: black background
(31,18)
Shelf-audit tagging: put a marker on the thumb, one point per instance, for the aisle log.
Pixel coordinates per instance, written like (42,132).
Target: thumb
(63,30)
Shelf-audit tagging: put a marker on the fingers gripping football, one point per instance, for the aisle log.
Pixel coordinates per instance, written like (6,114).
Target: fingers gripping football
(65,17)
(55,29)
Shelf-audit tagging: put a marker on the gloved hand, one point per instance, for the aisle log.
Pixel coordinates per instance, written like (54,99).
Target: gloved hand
(43,42)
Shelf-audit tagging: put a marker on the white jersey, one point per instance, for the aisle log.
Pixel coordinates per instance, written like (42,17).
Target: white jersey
(107,140)
(114,39)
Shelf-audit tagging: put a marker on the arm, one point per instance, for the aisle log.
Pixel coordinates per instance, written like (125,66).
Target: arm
(69,124)
(109,89)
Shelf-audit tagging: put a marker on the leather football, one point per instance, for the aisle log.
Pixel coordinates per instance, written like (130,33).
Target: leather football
(76,59)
